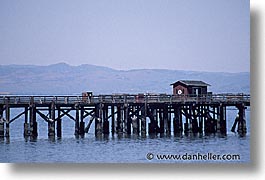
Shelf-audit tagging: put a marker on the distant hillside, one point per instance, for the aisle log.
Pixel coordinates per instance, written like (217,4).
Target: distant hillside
(65,79)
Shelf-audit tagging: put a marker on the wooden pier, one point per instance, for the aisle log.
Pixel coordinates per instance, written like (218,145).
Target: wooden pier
(141,114)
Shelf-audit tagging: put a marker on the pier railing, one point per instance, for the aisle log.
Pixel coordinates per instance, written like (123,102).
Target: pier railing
(127,98)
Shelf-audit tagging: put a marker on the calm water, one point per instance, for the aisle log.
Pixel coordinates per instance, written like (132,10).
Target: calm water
(118,149)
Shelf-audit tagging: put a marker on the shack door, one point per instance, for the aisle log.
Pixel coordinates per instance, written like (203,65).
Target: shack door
(196,91)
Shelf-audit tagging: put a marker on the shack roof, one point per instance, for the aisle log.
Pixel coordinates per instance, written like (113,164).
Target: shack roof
(191,83)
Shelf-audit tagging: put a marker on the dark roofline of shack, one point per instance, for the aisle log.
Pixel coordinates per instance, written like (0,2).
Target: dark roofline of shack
(191,83)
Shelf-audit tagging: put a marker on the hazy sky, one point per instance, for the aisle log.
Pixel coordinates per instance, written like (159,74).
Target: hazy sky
(201,35)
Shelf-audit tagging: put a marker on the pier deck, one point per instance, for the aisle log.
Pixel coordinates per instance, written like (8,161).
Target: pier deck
(139,114)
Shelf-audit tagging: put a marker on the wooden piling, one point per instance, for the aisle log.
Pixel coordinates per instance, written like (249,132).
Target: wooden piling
(186,124)
(218,119)
(135,125)
(234,124)
(105,120)
(215,119)
(213,122)
(119,114)
(98,120)
(161,122)
(169,119)
(82,123)
(194,121)
(51,122)
(143,120)
(33,121)
(180,120)
(127,119)
(77,119)
(2,129)
(166,121)
(157,128)
(7,119)
(59,128)
(210,122)
(152,124)
(26,125)
(200,126)
(205,117)
(242,130)
(135,121)
(59,124)
(112,119)
(177,121)
(222,119)
(122,119)
(2,123)
(138,118)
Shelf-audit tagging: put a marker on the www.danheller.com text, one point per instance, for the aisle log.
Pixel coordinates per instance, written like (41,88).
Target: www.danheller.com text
(194,157)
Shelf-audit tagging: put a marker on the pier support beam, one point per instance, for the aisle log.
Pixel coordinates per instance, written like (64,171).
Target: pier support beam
(166,119)
(210,122)
(218,124)
(33,126)
(222,119)
(177,122)
(59,124)
(76,119)
(2,123)
(135,125)
(200,127)
(202,123)
(7,120)
(127,119)
(33,122)
(152,125)
(187,123)
(143,120)
(2,129)
(119,121)
(51,123)
(194,120)
(242,129)
(98,120)
(82,123)
(59,128)
(122,120)
(161,122)
(169,119)
(26,125)
(135,122)
(105,120)
(112,120)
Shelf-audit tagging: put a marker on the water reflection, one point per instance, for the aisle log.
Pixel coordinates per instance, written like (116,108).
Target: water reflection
(119,148)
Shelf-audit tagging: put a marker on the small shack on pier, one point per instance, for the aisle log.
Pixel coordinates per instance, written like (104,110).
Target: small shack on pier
(189,87)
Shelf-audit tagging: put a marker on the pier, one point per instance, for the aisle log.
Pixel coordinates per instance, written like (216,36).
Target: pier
(139,114)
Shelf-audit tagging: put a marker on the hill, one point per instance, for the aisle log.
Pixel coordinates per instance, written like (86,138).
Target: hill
(62,79)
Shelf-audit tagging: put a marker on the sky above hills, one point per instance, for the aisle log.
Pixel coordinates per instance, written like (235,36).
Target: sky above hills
(200,35)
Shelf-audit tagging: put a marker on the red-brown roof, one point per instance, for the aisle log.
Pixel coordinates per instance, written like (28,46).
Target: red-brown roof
(191,83)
